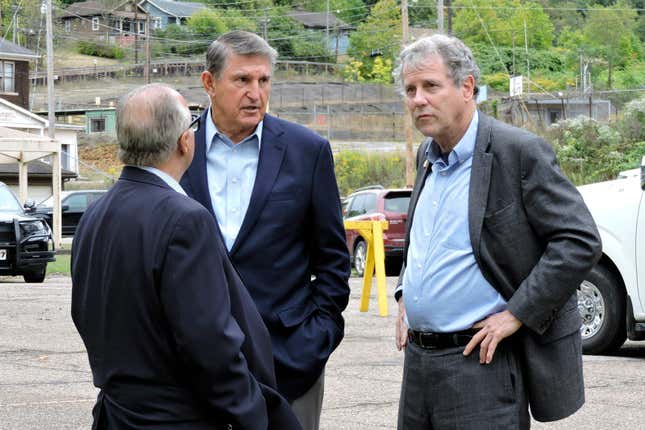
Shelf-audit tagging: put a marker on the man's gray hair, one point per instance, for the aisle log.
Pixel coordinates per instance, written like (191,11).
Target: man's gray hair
(239,43)
(149,121)
(455,55)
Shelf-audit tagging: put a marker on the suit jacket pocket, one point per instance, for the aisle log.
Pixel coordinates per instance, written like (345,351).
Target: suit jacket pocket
(296,315)
(507,214)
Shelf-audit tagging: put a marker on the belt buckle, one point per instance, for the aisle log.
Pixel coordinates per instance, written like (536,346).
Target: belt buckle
(433,340)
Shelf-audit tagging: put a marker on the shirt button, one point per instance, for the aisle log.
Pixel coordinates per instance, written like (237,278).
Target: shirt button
(419,266)
(434,204)
(416,299)
(234,180)
(234,210)
(443,173)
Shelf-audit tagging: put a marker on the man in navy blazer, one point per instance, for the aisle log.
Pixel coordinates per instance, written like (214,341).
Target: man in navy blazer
(173,338)
(271,187)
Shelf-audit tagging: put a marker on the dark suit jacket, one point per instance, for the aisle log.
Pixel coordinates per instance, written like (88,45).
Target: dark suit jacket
(290,251)
(173,338)
(534,241)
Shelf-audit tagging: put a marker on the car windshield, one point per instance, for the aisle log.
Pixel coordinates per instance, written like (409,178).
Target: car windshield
(397,203)
(8,201)
(47,203)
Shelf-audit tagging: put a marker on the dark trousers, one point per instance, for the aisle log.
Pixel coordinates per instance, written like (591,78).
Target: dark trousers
(443,390)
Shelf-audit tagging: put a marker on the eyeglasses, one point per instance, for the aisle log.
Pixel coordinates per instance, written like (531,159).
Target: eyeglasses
(196,123)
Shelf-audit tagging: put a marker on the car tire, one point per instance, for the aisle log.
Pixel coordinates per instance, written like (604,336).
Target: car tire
(601,303)
(36,276)
(360,256)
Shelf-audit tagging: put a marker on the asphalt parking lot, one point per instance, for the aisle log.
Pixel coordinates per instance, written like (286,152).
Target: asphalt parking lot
(45,381)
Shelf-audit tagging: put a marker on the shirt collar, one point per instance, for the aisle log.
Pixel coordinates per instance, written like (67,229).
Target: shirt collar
(211,131)
(464,148)
(172,183)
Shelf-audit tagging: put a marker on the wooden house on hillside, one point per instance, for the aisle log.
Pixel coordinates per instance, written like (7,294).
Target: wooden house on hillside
(166,12)
(14,73)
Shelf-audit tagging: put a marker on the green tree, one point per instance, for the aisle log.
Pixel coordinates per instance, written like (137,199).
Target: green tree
(379,35)
(207,23)
(618,49)
(504,22)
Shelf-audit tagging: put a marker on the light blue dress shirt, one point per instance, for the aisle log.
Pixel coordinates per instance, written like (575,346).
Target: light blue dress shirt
(443,288)
(172,183)
(231,169)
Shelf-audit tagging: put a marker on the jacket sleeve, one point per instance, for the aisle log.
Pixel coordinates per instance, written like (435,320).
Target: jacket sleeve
(195,297)
(558,215)
(329,255)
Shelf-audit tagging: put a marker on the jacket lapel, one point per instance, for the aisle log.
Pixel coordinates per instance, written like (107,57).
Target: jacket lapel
(197,175)
(271,155)
(479,182)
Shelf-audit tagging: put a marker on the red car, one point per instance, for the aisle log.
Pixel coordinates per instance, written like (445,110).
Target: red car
(378,203)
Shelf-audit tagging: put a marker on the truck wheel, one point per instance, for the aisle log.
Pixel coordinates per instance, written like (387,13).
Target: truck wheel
(601,303)
(360,257)
(36,276)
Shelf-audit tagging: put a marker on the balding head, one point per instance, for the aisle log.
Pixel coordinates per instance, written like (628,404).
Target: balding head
(149,121)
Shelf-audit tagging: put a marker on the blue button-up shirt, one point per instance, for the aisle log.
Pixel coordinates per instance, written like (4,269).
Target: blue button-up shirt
(443,288)
(231,169)
(172,182)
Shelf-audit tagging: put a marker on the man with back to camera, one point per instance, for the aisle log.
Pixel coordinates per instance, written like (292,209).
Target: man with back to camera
(271,187)
(173,338)
(497,242)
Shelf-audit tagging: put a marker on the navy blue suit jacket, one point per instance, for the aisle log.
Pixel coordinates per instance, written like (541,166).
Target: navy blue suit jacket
(173,338)
(290,251)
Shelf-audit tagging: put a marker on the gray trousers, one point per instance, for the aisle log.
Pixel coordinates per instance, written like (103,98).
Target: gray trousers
(442,389)
(308,407)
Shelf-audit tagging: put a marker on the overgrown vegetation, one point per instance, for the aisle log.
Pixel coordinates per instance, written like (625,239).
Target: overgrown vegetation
(590,151)
(99,50)
(355,169)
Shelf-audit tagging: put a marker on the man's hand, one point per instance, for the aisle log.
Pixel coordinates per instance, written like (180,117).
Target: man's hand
(494,329)
(401,327)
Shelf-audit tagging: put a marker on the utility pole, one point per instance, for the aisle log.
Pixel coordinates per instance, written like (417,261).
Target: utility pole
(528,64)
(327,23)
(440,16)
(146,70)
(135,26)
(449,7)
(409,155)
(51,117)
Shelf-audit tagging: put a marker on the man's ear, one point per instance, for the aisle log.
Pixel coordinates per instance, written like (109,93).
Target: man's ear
(468,88)
(183,144)
(207,81)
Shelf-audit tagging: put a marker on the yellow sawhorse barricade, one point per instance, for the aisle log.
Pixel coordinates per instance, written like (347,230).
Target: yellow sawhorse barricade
(372,232)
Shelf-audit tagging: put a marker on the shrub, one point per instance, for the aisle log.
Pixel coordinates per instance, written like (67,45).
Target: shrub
(99,50)
(355,169)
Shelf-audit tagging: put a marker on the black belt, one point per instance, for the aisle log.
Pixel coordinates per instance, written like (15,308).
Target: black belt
(430,340)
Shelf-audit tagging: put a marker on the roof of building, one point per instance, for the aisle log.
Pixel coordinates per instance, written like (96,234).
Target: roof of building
(11,50)
(319,20)
(35,169)
(176,8)
(85,8)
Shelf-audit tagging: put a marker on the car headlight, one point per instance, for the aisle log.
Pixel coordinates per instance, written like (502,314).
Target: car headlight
(32,227)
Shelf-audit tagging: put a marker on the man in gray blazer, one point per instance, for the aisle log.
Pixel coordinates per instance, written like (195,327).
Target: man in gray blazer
(498,240)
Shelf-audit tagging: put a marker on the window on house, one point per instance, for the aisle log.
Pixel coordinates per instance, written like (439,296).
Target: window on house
(68,25)
(156,23)
(95,23)
(142,27)
(97,125)
(7,77)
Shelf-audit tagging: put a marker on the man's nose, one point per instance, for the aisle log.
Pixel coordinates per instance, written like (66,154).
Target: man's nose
(419,99)
(253,90)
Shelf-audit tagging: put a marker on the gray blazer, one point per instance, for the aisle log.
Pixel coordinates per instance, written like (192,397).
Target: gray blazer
(534,241)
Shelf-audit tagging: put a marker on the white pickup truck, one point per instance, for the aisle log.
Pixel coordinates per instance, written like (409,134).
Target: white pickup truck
(611,300)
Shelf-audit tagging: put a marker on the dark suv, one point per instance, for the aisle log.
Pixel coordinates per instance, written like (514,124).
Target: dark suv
(377,203)
(26,244)
(73,206)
